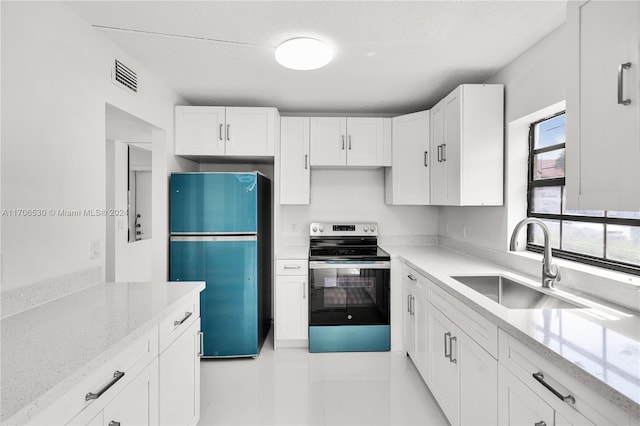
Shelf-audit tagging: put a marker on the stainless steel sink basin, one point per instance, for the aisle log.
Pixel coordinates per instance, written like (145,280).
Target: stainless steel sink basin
(512,294)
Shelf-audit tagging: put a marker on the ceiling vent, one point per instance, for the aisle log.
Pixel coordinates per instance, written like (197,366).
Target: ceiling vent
(125,77)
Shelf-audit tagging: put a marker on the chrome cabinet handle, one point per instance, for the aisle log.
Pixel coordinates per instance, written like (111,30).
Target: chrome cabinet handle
(569,399)
(411,277)
(451,358)
(621,69)
(117,375)
(409,303)
(180,322)
(304,290)
(291,267)
(201,338)
(540,423)
(306,159)
(447,355)
(444,152)
(114,423)
(349,141)
(343,142)
(220,131)
(426,159)
(439,153)
(228,132)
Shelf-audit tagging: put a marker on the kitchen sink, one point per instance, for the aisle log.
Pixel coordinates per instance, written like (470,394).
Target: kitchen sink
(512,294)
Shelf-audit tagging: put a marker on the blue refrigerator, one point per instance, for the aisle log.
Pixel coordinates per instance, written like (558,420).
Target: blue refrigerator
(221,234)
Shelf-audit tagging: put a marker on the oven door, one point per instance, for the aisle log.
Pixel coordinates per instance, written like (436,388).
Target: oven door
(349,293)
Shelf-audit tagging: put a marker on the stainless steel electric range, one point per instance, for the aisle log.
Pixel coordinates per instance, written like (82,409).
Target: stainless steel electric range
(349,281)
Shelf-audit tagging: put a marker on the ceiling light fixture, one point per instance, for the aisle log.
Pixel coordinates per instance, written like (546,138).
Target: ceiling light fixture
(303,54)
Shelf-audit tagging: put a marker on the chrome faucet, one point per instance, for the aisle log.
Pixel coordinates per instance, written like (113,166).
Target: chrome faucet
(550,271)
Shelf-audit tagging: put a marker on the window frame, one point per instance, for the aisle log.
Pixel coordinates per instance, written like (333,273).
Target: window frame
(605,220)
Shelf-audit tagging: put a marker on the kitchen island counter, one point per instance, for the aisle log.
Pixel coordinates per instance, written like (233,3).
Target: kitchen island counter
(48,349)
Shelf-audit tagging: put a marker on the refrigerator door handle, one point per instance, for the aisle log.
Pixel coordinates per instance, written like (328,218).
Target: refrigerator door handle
(188,238)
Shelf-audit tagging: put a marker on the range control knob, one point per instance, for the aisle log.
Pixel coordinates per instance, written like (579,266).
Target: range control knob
(322,229)
(373,228)
(349,317)
(366,228)
(314,228)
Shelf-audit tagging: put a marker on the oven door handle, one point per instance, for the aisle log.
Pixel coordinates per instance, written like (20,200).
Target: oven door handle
(342,265)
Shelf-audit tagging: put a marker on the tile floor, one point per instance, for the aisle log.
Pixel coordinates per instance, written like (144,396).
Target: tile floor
(295,387)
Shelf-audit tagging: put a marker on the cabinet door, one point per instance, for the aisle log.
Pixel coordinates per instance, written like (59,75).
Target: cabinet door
(410,160)
(603,135)
(328,141)
(421,336)
(444,371)
(180,379)
(250,131)
(365,141)
(519,405)
(292,308)
(478,383)
(199,130)
(438,169)
(295,173)
(450,152)
(137,404)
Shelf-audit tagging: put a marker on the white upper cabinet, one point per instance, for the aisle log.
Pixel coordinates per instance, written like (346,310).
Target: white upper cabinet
(467,133)
(407,180)
(236,131)
(603,106)
(350,141)
(295,172)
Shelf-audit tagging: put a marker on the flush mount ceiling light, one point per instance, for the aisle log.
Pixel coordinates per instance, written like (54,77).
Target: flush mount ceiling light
(303,54)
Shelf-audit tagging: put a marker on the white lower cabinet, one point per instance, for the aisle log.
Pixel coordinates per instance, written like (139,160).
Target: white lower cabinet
(415,337)
(180,379)
(291,303)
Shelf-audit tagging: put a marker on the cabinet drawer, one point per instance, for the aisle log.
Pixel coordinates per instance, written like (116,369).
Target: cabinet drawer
(292,267)
(522,362)
(178,321)
(131,361)
(480,329)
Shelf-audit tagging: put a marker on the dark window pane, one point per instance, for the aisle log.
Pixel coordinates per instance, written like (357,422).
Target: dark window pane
(550,132)
(623,243)
(583,237)
(549,165)
(546,199)
(554,231)
(597,213)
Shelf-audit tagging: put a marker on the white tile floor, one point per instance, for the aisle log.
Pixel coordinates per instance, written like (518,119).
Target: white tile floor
(295,387)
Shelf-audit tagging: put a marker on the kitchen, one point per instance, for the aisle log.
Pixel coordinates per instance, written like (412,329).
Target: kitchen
(56,73)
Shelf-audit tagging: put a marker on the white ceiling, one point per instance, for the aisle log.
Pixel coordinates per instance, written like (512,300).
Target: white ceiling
(390,56)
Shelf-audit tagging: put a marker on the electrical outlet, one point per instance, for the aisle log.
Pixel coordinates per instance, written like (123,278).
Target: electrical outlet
(294,227)
(464,231)
(446,228)
(94,251)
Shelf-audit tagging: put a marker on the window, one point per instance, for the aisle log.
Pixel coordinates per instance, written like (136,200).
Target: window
(603,238)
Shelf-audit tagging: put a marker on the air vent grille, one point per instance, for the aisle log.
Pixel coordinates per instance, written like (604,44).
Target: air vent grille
(126,76)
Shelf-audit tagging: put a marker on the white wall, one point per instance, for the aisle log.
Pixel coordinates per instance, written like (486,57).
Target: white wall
(533,81)
(353,195)
(56,81)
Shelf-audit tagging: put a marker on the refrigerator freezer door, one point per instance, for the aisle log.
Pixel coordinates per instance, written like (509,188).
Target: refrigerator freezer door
(229,303)
(210,203)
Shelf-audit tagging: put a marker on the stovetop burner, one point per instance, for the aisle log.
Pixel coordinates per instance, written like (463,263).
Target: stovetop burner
(345,242)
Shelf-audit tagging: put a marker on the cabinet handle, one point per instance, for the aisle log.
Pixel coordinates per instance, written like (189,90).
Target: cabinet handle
(180,322)
(220,131)
(444,152)
(409,303)
(291,267)
(621,69)
(117,375)
(306,160)
(343,142)
(412,278)
(201,338)
(540,423)
(451,358)
(114,423)
(426,159)
(304,290)
(228,132)
(447,355)
(439,153)
(349,142)
(569,399)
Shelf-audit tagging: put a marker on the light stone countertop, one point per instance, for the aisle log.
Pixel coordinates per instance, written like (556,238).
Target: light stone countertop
(48,349)
(598,346)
